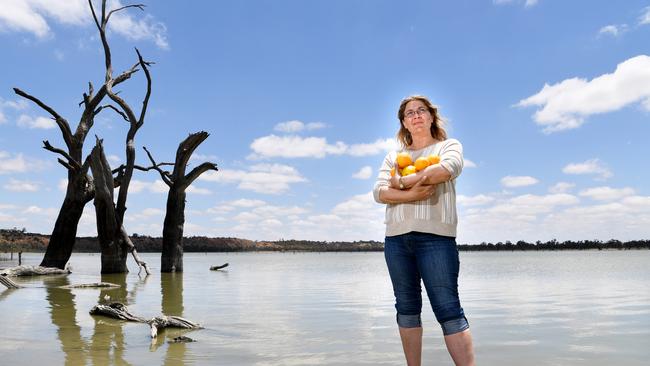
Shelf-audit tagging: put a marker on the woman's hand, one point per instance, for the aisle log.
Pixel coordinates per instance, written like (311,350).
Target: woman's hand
(394,180)
(422,191)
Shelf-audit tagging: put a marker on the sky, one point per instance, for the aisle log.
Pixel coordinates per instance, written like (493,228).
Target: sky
(550,99)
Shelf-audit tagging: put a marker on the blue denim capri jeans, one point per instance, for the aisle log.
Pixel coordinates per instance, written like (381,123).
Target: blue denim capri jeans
(417,257)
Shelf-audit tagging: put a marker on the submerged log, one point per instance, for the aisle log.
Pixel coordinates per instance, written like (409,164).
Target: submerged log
(182,339)
(33,271)
(116,310)
(163,321)
(91,285)
(120,311)
(216,268)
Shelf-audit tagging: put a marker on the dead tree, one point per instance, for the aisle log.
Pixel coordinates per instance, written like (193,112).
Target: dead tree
(113,239)
(80,188)
(114,242)
(171,259)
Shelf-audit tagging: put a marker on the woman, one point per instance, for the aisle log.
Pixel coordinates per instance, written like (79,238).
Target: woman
(421,229)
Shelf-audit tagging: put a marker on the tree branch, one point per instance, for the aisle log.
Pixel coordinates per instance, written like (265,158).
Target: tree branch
(65,164)
(139,6)
(60,121)
(196,172)
(110,106)
(72,163)
(145,102)
(163,174)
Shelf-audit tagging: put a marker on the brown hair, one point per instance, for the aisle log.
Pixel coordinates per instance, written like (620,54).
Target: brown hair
(437,127)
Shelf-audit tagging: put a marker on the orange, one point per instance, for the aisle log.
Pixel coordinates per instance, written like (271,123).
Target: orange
(421,163)
(404,160)
(408,170)
(433,159)
(392,172)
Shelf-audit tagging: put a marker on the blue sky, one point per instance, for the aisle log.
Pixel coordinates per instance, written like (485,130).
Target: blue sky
(550,99)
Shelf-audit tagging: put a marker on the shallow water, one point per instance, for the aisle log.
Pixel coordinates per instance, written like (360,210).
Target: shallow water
(532,308)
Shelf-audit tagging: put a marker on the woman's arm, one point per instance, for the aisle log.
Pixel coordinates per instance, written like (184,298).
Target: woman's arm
(418,192)
(433,174)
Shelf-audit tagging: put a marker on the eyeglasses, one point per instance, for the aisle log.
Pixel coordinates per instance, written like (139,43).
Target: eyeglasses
(420,112)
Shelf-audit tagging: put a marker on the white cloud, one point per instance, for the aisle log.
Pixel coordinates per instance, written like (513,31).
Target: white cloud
(561,187)
(138,186)
(518,181)
(527,3)
(295,147)
(296,126)
(44,211)
(21,186)
(261,178)
(145,28)
(565,105)
(19,16)
(373,148)
(477,200)
(606,193)
(26,121)
(203,157)
(469,163)
(32,16)
(612,30)
(247,203)
(313,147)
(114,159)
(592,166)
(3,119)
(196,190)
(152,212)
(510,218)
(363,173)
(17,163)
(645,17)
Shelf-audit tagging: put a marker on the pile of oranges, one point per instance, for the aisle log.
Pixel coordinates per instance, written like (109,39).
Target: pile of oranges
(407,166)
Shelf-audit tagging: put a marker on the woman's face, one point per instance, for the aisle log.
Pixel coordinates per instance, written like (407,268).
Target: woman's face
(417,118)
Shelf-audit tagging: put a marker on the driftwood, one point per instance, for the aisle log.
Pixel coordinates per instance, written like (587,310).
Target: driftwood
(164,321)
(216,268)
(7,282)
(33,271)
(182,339)
(116,310)
(120,311)
(91,285)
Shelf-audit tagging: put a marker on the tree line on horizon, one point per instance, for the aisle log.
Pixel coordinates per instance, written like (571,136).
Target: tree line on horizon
(19,240)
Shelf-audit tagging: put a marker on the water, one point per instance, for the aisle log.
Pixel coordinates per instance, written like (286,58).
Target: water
(525,308)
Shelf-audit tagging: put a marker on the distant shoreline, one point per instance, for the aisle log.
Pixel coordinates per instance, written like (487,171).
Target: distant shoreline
(14,240)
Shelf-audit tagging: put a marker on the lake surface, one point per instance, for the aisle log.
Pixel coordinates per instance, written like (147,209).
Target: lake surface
(524,308)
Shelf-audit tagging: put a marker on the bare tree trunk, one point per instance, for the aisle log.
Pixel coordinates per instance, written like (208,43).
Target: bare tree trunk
(112,246)
(172,246)
(171,259)
(61,244)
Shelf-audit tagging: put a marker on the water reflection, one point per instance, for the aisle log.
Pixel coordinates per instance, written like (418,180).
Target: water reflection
(107,335)
(171,289)
(64,316)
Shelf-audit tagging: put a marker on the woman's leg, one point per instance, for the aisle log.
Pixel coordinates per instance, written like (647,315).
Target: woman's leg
(460,347)
(439,265)
(412,345)
(404,275)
